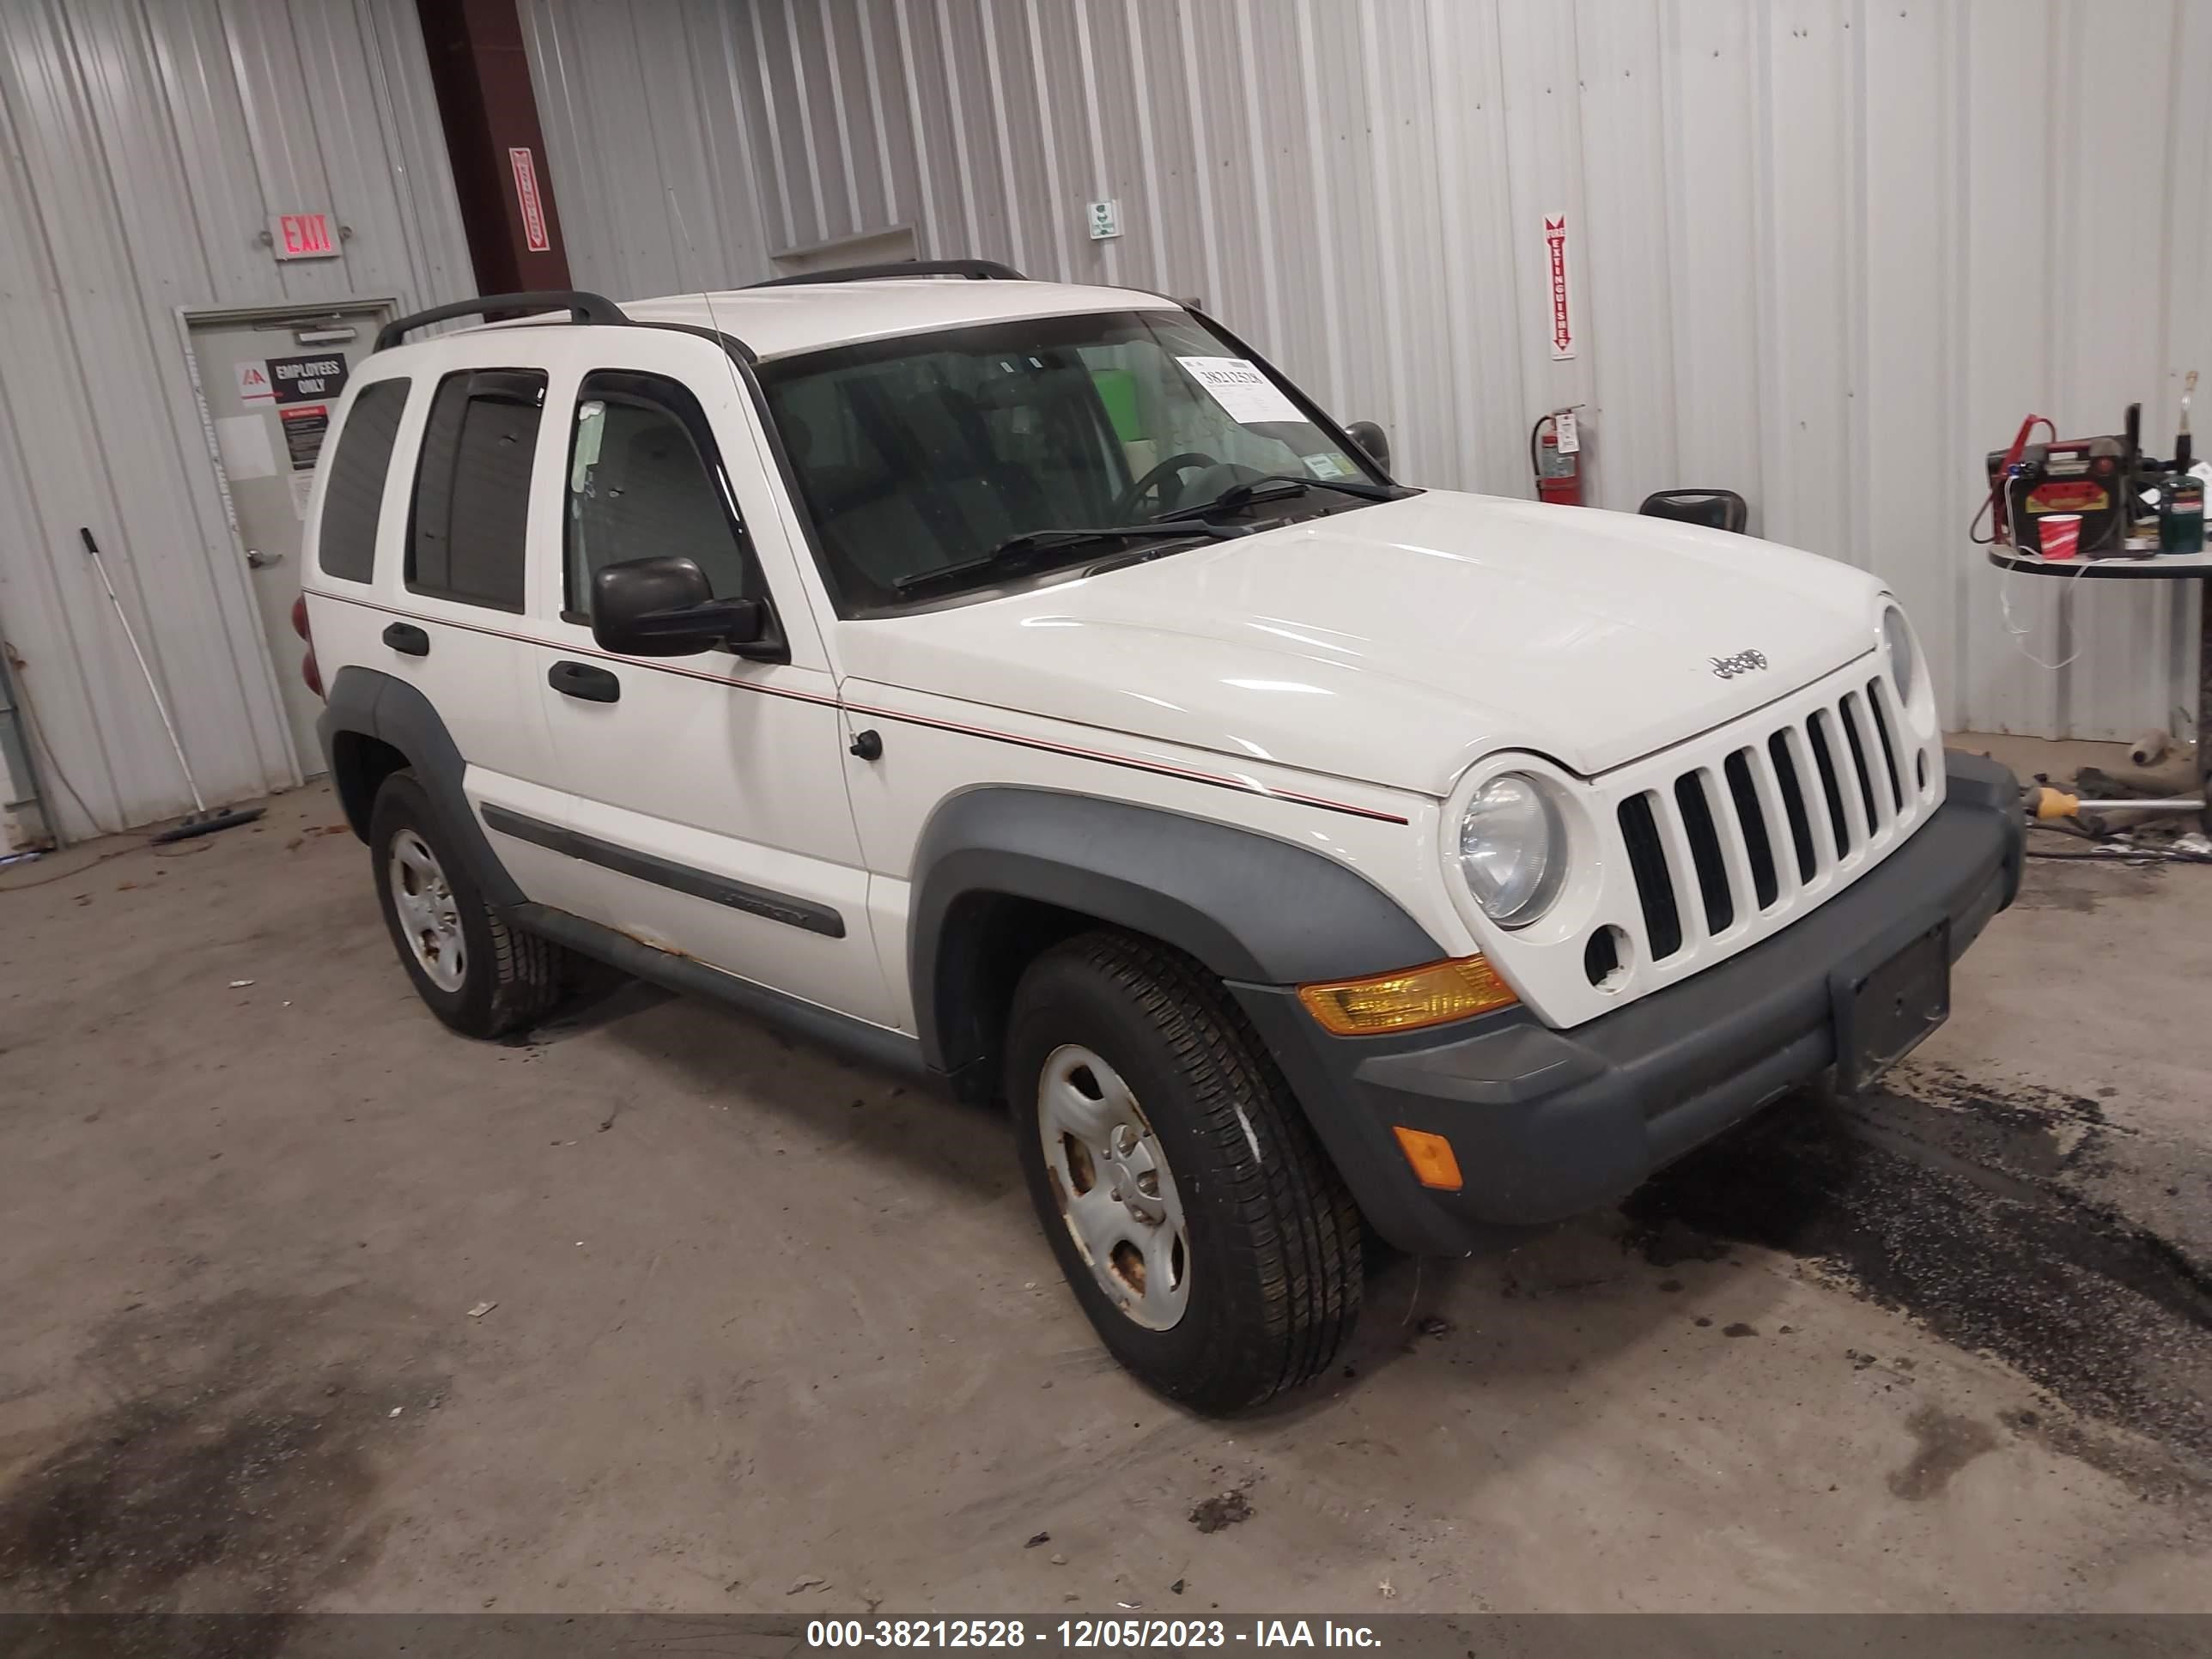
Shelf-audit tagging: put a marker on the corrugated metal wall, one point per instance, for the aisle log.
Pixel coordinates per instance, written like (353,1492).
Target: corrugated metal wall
(142,145)
(1827,252)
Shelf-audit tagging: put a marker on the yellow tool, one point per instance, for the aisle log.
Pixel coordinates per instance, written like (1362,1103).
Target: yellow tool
(2048,803)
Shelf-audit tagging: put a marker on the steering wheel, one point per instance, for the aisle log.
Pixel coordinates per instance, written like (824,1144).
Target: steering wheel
(1174,467)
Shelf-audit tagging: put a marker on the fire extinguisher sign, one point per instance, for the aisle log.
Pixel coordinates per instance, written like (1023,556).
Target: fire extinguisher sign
(1561,315)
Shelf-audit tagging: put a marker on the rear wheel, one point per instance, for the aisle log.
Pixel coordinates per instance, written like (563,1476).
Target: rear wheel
(1206,1234)
(478,974)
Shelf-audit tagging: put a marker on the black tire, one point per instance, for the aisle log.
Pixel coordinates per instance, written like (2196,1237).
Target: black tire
(509,979)
(1274,1260)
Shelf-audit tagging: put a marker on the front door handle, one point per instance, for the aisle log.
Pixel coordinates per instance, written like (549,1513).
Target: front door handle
(407,640)
(580,679)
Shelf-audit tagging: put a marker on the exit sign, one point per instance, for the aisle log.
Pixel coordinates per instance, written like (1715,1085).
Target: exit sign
(301,236)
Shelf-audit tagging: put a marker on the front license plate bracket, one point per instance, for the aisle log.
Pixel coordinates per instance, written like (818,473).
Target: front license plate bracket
(1886,1009)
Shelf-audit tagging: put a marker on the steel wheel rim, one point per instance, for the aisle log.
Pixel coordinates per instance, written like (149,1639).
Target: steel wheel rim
(1114,1191)
(423,899)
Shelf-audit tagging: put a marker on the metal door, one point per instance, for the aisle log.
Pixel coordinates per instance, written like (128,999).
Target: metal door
(268,382)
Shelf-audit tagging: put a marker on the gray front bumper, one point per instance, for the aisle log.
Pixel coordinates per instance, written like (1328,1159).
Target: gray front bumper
(1546,1124)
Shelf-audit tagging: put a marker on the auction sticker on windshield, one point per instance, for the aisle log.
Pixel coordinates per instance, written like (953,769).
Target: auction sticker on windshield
(1248,396)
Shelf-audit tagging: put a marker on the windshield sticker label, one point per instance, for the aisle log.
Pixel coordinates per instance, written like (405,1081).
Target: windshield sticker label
(1325,466)
(1248,396)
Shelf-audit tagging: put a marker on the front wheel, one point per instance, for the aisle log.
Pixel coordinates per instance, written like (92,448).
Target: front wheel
(1204,1231)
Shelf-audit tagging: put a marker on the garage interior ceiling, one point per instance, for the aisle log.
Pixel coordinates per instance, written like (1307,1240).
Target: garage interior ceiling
(144,145)
(1825,253)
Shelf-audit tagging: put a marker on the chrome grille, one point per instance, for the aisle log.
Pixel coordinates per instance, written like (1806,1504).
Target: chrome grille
(1745,832)
(1709,846)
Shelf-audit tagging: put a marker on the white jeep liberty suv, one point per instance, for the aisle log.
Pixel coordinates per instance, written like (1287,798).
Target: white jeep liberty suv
(1028,685)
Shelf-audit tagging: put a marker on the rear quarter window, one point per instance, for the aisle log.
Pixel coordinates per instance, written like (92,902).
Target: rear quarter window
(353,497)
(472,508)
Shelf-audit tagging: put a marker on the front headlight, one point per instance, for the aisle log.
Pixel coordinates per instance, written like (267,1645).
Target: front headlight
(1513,848)
(1897,640)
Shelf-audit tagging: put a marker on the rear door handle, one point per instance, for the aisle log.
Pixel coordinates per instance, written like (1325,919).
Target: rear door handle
(580,679)
(407,640)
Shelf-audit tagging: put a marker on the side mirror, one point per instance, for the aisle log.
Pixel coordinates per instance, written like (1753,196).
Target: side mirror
(1372,439)
(664,608)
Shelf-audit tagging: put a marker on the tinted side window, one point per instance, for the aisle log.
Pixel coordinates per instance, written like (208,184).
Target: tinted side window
(645,481)
(472,487)
(354,498)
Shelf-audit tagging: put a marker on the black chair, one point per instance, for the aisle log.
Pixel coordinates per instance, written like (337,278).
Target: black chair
(1716,509)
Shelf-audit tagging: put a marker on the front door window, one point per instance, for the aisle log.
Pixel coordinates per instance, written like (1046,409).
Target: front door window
(644,482)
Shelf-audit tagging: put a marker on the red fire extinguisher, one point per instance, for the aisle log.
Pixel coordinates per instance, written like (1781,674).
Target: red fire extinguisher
(1555,457)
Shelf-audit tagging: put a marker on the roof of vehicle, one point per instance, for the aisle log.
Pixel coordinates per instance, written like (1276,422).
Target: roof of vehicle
(785,320)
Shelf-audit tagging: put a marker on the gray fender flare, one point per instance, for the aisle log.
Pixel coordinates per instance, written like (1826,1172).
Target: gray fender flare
(391,711)
(1249,906)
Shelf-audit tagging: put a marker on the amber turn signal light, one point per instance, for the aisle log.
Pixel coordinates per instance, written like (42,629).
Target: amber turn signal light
(1407,999)
(1434,1163)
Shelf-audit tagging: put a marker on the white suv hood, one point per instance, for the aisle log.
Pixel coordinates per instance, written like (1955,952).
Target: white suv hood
(1396,643)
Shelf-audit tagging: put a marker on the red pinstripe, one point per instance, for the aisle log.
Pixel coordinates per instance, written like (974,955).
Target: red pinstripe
(1163,769)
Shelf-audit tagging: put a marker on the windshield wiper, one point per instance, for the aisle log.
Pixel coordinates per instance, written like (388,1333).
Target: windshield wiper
(1270,485)
(1032,548)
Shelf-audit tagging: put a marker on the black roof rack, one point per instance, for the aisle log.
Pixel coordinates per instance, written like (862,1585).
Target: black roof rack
(581,309)
(976,270)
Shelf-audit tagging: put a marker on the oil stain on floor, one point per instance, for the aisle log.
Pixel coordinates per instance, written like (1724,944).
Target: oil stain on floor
(233,1472)
(1969,1209)
(160,1493)
(1944,1443)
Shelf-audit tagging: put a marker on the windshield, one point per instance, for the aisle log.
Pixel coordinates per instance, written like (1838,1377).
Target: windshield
(927,452)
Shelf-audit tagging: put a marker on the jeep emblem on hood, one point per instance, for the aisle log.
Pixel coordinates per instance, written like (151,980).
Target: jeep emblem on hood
(1742,663)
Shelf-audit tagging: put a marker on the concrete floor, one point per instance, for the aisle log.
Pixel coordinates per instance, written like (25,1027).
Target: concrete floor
(772,1333)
